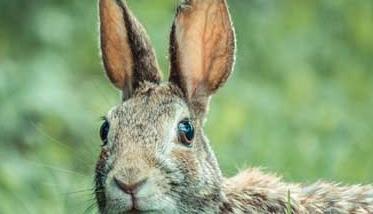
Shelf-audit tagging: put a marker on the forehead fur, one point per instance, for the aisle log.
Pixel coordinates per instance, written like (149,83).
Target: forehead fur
(148,97)
(150,107)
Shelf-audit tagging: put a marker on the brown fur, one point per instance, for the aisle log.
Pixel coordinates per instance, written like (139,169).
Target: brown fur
(143,144)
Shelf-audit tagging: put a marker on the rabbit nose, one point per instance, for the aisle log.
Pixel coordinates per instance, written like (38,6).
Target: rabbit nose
(129,188)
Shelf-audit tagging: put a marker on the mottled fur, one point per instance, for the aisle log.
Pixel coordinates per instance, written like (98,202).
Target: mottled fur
(252,191)
(143,144)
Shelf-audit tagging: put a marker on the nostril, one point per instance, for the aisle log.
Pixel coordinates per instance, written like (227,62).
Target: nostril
(129,188)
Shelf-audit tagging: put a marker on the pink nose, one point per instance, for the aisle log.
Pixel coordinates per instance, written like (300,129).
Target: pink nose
(129,188)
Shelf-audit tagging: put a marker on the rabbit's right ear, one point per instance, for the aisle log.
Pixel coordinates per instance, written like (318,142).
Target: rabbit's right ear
(202,49)
(127,54)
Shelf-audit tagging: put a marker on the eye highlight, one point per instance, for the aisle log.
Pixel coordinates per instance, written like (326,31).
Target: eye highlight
(186,132)
(104,131)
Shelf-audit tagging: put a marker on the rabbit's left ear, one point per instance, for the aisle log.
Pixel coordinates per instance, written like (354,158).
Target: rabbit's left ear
(202,48)
(128,56)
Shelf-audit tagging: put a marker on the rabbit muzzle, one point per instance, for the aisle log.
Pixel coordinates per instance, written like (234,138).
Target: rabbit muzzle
(135,187)
(131,192)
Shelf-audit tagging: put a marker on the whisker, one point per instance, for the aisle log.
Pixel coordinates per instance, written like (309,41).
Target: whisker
(89,191)
(52,139)
(56,168)
(90,207)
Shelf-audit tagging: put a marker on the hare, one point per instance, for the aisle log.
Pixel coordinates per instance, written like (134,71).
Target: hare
(155,157)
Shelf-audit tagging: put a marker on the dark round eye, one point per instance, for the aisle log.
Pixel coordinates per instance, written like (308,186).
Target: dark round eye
(186,132)
(104,130)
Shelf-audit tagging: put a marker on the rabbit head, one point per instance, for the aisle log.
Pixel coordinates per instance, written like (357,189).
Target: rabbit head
(155,157)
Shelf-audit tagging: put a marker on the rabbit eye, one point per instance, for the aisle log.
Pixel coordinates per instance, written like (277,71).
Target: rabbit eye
(104,130)
(186,132)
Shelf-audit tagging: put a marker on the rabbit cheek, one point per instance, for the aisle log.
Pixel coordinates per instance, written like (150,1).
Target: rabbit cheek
(102,170)
(102,166)
(189,165)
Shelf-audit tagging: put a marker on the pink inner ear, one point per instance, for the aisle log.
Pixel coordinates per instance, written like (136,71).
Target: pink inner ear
(205,46)
(116,52)
(190,51)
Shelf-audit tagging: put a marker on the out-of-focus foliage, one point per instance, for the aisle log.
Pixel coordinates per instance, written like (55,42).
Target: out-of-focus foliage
(300,102)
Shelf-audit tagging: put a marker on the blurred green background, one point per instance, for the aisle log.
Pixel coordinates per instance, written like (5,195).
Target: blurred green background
(300,102)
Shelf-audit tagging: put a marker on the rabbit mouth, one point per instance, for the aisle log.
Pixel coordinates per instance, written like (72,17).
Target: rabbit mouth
(133,205)
(131,208)
(136,211)
(119,202)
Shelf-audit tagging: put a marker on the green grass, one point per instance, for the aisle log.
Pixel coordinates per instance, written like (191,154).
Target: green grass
(288,204)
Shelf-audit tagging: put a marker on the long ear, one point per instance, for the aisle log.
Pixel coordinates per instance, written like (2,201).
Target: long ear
(202,48)
(127,54)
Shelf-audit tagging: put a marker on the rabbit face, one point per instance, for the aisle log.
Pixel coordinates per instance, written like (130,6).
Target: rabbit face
(146,166)
(155,157)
